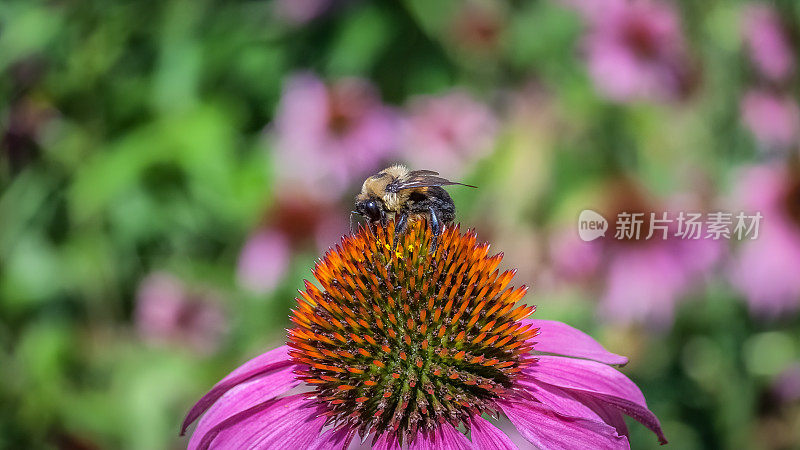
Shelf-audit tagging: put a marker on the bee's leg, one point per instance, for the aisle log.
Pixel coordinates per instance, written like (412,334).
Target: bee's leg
(351,221)
(383,218)
(399,229)
(436,227)
(373,224)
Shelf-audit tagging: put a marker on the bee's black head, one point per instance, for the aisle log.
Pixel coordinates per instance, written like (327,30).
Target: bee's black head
(371,209)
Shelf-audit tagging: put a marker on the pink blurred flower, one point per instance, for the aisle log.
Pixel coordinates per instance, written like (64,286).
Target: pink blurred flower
(350,367)
(773,119)
(635,49)
(786,385)
(477,27)
(263,261)
(169,312)
(572,258)
(645,282)
(328,136)
(768,43)
(641,281)
(448,131)
(295,223)
(766,267)
(300,12)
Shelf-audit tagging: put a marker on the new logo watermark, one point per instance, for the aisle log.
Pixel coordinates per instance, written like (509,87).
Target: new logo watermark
(681,225)
(591,225)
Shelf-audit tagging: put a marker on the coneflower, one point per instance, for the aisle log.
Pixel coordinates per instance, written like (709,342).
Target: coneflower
(404,346)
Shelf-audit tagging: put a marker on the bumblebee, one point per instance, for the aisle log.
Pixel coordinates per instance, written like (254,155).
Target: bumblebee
(406,196)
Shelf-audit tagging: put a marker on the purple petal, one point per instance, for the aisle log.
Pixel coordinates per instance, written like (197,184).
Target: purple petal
(244,396)
(423,441)
(449,438)
(562,339)
(584,375)
(260,365)
(386,441)
(548,430)
(333,440)
(486,436)
(260,362)
(444,437)
(607,413)
(562,401)
(601,382)
(289,422)
(578,404)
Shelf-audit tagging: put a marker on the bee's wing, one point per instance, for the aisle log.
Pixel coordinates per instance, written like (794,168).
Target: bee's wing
(422,172)
(422,178)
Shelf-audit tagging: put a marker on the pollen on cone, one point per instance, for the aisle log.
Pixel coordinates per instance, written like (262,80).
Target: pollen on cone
(403,339)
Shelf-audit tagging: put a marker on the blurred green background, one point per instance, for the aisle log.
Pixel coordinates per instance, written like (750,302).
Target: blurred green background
(170,170)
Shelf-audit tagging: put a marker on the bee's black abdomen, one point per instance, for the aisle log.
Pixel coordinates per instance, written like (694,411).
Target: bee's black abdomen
(436,198)
(442,203)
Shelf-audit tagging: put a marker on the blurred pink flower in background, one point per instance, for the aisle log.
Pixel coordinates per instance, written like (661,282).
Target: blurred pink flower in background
(169,312)
(263,261)
(766,269)
(645,282)
(635,49)
(640,281)
(773,119)
(299,12)
(786,385)
(328,136)
(295,223)
(447,132)
(572,258)
(767,42)
(477,27)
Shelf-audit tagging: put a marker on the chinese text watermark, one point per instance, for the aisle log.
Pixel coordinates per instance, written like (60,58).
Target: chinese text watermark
(665,225)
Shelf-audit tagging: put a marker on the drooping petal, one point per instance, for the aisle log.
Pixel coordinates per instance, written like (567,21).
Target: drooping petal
(607,413)
(261,365)
(260,362)
(547,430)
(486,436)
(600,381)
(423,441)
(562,401)
(578,404)
(444,437)
(289,422)
(333,440)
(386,441)
(584,375)
(247,395)
(562,339)
(449,438)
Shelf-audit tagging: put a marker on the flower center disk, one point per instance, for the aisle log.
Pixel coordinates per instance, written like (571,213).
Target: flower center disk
(402,339)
